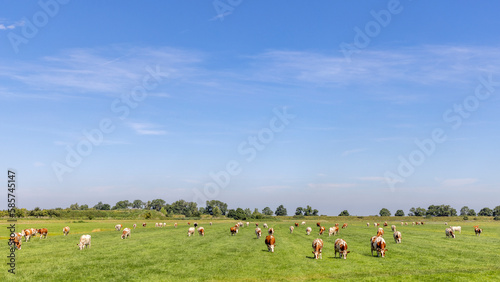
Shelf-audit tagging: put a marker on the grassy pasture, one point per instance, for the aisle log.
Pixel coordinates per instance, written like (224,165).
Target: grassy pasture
(168,254)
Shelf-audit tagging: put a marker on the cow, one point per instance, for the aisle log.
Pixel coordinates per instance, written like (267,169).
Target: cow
(397,237)
(33,231)
(240,224)
(144,224)
(248,223)
(66,230)
(270,242)
(393,228)
(333,231)
(385,224)
(402,223)
(317,246)
(449,233)
(258,232)
(378,244)
(296,224)
(478,231)
(336,225)
(175,225)
(135,225)
(368,224)
(125,233)
(164,224)
(446,223)
(341,248)
(271,231)
(318,224)
(118,227)
(189,223)
(422,222)
(234,230)
(210,223)
(43,232)
(321,230)
(457,228)
(265,225)
(15,241)
(256,225)
(84,242)
(413,223)
(406,223)
(291,228)
(27,234)
(380,232)
(308,230)
(375,224)
(18,236)
(156,225)
(195,224)
(303,223)
(344,225)
(190,231)
(201,231)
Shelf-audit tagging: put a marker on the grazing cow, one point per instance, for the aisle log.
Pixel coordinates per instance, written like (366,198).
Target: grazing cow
(368,224)
(15,241)
(402,223)
(341,248)
(189,223)
(397,237)
(393,227)
(201,231)
(449,233)
(296,224)
(333,231)
(413,223)
(84,242)
(175,225)
(378,244)
(135,225)
(126,233)
(380,232)
(446,223)
(248,223)
(375,224)
(321,230)
(385,224)
(291,229)
(258,232)
(27,234)
(344,225)
(457,228)
(118,227)
(66,230)
(308,230)
(406,223)
(33,231)
(271,231)
(18,236)
(43,232)
(237,225)
(165,224)
(234,230)
(317,248)
(265,225)
(336,225)
(144,224)
(418,222)
(303,223)
(270,242)
(190,231)
(478,231)
(422,222)
(256,225)
(210,223)
(156,225)
(318,224)
(195,224)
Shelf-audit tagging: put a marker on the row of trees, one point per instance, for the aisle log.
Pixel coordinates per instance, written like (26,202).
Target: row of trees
(443,210)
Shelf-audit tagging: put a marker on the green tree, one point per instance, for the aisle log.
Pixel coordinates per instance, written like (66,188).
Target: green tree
(308,210)
(315,212)
(157,204)
(485,212)
(248,213)
(344,213)
(231,213)
(267,211)
(384,212)
(100,206)
(122,205)
(496,211)
(464,211)
(299,211)
(216,212)
(399,213)
(84,207)
(471,212)
(74,206)
(281,211)
(215,203)
(137,204)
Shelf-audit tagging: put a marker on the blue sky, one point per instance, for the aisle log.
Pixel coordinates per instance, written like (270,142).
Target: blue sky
(254,103)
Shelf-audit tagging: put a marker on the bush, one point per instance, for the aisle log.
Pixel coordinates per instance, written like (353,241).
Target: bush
(496,217)
(466,217)
(90,217)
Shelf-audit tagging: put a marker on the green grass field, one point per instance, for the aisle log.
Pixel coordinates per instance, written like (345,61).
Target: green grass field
(169,254)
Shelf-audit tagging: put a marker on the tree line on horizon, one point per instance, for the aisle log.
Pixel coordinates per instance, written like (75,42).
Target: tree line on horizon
(218,208)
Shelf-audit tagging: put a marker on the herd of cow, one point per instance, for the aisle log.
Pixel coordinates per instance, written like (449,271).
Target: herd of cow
(377,242)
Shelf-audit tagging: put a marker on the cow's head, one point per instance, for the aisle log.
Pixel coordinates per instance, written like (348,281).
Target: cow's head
(382,249)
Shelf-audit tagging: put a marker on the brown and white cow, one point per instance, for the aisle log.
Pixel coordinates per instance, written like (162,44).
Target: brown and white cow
(270,231)
(118,227)
(191,231)
(144,224)
(380,232)
(317,246)
(15,241)
(308,230)
(318,224)
(393,228)
(303,223)
(385,224)
(368,224)
(449,233)
(66,230)
(270,242)
(378,244)
(296,224)
(175,225)
(248,223)
(402,223)
(135,225)
(478,231)
(210,223)
(341,248)
(234,230)
(126,233)
(397,237)
(265,225)
(291,228)
(27,233)
(321,230)
(333,231)
(43,232)
(344,225)
(84,242)
(256,225)
(258,232)
(201,231)
(406,223)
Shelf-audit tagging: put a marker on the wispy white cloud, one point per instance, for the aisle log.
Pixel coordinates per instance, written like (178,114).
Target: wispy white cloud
(353,151)
(458,182)
(6,25)
(147,129)
(328,186)
(373,179)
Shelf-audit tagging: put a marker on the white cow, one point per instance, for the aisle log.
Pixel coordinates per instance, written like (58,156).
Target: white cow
(190,231)
(303,222)
(265,225)
(457,228)
(308,230)
(333,231)
(126,233)
(118,227)
(84,242)
(258,232)
(397,237)
(393,227)
(291,229)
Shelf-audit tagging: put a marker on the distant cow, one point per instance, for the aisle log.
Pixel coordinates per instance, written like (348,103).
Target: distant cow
(478,231)
(195,224)
(27,233)
(449,233)
(446,223)
(378,244)
(318,224)
(248,223)
(84,242)
(385,224)
(258,232)
(43,232)
(190,231)
(189,223)
(296,224)
(397,237)
(210,223)
(270,242)
(457,228)
(66,230)
(234,230)
(393,227)
(321,230)
(175,225)
(317,246)
(368,224)
(271,231)
(126,233)
(333,231)
(15,241)
(406,223)
(144,224)
(256,224)
(308,230)
(201,231)
(291,228)
(303,223)
(135,225)
(118,227)
(380,231)
(344,225)
(265,225)
(341,248)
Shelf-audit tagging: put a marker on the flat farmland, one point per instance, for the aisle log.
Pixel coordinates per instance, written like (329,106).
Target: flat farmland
(167,253)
